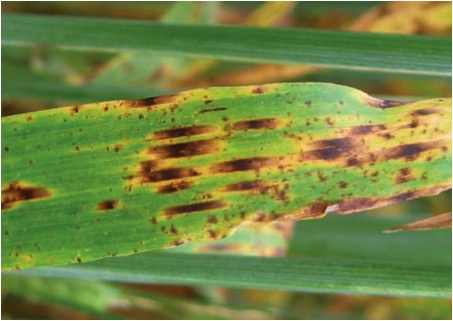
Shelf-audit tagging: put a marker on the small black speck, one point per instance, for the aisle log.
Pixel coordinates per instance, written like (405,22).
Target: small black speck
(6,148)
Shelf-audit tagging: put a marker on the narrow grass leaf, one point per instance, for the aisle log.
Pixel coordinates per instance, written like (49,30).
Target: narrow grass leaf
(337,49)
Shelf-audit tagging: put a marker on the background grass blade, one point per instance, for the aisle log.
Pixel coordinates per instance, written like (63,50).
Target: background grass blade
(391,53)
(315,275)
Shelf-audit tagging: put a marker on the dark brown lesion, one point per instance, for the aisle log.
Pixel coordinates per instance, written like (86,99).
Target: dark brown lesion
(167,174)
(329,149)
(254,124)
(174,187)
(150,101)
(404,175)
(188,149)
(107,205)
(244,164)
(16,192)
(379,103)
(194,207)
(183,132)
(409,151)
(259,90)
(367,129)
(209,110)
(425,111)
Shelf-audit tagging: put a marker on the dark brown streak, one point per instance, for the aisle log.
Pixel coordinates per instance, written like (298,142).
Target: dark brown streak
(107,205)
(408,151)
(244,164)
(374,102)
(17,192)
(168,174)
(188,149)
(195,207)
(211,110)
(150,101)
(254,186)
(183,132)
(366,129)
(424,112)
(263,123)
(174,187)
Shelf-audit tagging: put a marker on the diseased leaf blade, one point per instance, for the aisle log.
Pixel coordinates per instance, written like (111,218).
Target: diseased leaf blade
(116,178)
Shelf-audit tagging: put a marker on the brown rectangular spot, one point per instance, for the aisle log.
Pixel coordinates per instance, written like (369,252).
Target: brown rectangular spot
(183,132)
(195,207)
(244,164)
(188,149)
(168,174)
(253,124)
(149,102)
(174,187)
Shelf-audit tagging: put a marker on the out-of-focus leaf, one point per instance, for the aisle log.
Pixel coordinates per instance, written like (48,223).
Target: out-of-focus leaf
(295,274)
(424,17)
(268,240)
(91,297)
(337,49)
(194,166)
(434,222)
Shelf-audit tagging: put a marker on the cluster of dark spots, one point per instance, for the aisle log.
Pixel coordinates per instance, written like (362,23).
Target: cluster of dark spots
(366,129)
(17,192)
(353,162)
(153,220)
(244,164)
(194,207)
(174,187)
(386,136)
(321,176)
(150,102)
(75,110)
(403,175)
(259,90)
(173,230)
(329,121)
(343,184)
(183,132)
(213,234)
(168,174)
(188,149)
(307,102)
(202,111)
(263,123)
(107,205)
(212,219)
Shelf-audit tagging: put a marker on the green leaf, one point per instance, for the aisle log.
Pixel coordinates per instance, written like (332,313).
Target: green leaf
(116,178)
(312,275)
(337,49)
